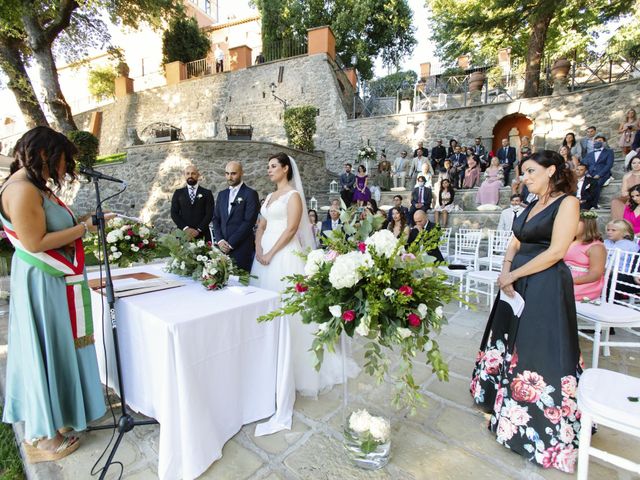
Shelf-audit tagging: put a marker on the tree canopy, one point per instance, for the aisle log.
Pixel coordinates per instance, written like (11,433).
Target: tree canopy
(184,41)
(532,28)
(365,28)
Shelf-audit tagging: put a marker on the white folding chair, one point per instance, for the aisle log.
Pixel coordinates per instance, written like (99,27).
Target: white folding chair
(477,279)
(466,252)
(445,239)
(618,305)
(603,399)
(442,101)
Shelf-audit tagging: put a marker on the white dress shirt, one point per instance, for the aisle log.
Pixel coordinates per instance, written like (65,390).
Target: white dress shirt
(580,183)
(233,193)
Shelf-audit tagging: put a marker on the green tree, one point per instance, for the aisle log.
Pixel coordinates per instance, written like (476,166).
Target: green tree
(389,85)
(87,144)
(300,126)
(365,28)
(184,41)
(102,82)
(532,28)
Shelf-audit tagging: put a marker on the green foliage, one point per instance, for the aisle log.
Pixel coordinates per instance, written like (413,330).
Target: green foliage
(10,461)
(102,82)
(300,126)
(365,28)
(114,158)
(184,41)
(87,144)
(389,85)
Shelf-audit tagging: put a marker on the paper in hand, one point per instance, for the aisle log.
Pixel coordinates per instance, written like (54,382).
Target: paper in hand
(516,302)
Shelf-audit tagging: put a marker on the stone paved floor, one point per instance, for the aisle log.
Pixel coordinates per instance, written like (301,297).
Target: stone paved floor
(445,440)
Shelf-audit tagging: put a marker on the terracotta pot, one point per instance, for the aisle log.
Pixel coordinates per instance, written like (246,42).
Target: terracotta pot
(476,81)
(560,69)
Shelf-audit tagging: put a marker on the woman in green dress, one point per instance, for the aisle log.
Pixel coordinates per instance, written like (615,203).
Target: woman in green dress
(52,373)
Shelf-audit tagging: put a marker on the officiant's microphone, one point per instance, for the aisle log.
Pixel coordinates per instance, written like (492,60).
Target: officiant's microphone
(90,172)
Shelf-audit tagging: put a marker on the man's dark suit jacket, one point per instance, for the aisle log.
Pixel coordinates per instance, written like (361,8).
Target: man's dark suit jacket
(588,198)
(326,227)
(636,141)
(601,168)
(236,226)
(439,153)
(196,216)
(509,158)
(427,197)
(413,234)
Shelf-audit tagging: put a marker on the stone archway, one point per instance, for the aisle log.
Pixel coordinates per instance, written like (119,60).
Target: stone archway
(513,127)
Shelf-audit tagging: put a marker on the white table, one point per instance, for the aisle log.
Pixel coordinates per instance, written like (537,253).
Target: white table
(195,360)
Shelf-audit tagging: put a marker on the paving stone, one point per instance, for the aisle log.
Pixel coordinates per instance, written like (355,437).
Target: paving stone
(280,441)
(320,407)
(146,474)
(461,366)
(456,390)
(323,458)
(236,463)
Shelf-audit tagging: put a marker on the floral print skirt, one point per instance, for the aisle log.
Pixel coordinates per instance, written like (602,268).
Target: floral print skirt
(527,370)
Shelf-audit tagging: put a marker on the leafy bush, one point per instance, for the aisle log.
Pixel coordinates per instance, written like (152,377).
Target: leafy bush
(389,85)
(300,126)
(102,82)
(87,144)
(184,41)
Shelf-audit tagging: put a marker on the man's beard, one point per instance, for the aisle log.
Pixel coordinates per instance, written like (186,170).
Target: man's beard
(192,181)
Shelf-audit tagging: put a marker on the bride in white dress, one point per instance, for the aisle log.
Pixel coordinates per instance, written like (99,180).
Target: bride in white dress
(283,232)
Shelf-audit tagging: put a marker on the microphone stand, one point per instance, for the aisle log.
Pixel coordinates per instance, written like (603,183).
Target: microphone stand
(126,422)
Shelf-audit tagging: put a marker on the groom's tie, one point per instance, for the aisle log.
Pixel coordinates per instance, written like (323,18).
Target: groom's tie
(192,195)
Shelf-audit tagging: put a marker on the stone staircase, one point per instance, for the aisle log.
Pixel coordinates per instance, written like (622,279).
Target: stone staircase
(471,217)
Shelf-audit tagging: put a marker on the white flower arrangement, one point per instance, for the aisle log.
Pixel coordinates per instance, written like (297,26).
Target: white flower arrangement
(125,242)
(383,242)
(367,153)
(371,431)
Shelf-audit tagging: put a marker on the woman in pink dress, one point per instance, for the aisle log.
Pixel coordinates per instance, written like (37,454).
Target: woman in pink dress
(586,259)
(632,209)
(472,173)
(489,191)
(629,180)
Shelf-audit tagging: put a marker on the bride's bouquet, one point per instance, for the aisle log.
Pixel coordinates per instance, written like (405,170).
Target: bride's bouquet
(368,284)
(201,261)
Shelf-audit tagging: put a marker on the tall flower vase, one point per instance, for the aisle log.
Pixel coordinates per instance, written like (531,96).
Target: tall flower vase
(367,435)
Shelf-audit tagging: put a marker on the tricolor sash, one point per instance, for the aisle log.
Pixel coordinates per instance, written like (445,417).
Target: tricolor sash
(55,264)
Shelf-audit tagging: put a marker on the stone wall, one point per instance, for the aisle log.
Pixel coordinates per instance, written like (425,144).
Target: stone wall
(154,172)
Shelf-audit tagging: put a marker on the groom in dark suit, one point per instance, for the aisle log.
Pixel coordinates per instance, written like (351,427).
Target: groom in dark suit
(192,206)
(235,216)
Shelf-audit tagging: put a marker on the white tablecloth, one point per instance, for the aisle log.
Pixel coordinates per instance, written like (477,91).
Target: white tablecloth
(195,360)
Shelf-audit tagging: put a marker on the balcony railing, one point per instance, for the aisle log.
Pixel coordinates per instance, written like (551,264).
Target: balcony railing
(284,49)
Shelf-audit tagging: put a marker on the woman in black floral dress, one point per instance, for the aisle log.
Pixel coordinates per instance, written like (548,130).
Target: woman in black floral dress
(527,370)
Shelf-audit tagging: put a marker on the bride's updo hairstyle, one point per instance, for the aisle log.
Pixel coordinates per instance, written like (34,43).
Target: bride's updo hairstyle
(563,179)
(283,160)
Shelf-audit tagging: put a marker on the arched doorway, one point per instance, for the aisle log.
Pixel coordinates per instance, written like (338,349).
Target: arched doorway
(512,127)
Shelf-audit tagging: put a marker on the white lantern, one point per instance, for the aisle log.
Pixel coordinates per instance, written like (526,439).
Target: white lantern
(333,187)
(313,204)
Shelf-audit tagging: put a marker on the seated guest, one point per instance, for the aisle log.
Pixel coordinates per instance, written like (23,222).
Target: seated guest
(397,203)
(526,196)
(459,164)
(586,259)
(373,205)
(425,150)
(481,153)
(335,203)
(509,214)
(421,223)
(332,223)
(398,224)
(315,227)
(421,197)
(445,202)
(428,173)
(599,162)
(565,153)
(586,144)
(384,173)
(453,143)
(629,179)
(471,173)
(489,191)
(574,147)
(438,155)
(632,209)
(507,157)
(620,235)
(587,189)
(399,170)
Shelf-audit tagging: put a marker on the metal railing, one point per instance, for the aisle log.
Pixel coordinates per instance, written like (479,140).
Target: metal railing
(206,66)
(278,50)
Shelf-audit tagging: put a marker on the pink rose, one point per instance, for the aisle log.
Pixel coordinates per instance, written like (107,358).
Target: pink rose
(475,386)
(362,247)
(492,362)
(406,290)
(330,256)
(569,406)
(407,256)
(349,316)
(569,386)
(505,429)
(567,433)
(527,387)
(301,288)
(549,456)
(497,405)
(413,319)
(479,355)
(518,415)
(553,414)
(565,460)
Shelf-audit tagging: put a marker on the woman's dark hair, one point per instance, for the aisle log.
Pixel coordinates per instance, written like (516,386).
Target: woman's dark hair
(565,143)
(40,148)
(311,210)
(447,189)
(453,140)
(633,205)
(373,203)
(284,161)
(563,179)
(364,169)
(591,232)
(403,220)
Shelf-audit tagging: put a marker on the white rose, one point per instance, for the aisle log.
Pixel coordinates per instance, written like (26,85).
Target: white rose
(439,312)
(336,311)
(404,332)
(367,260)
(117,255)
(200,243)
(422,310)
(112,236)
(134,248)
(143,231)
(383,242)
(183,266)
(345,271)
(359,421)
(114,249)
(322,327)
(145,241)
(362,329)
(315,259)
(127,237)
(388,292)
(201,258)
(380,429)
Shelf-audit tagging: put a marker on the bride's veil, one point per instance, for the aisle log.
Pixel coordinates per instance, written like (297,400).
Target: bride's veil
(305,233)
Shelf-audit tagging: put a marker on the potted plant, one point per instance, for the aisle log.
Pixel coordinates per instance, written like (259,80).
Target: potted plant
(476,81)
(560,69)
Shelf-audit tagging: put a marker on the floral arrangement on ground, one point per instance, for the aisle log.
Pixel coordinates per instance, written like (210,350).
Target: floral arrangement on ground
(126,243)
(367,283)
(200,260)
(367,153)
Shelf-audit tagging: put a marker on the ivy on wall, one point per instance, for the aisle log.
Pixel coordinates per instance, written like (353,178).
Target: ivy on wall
(87,145)
(300,126)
